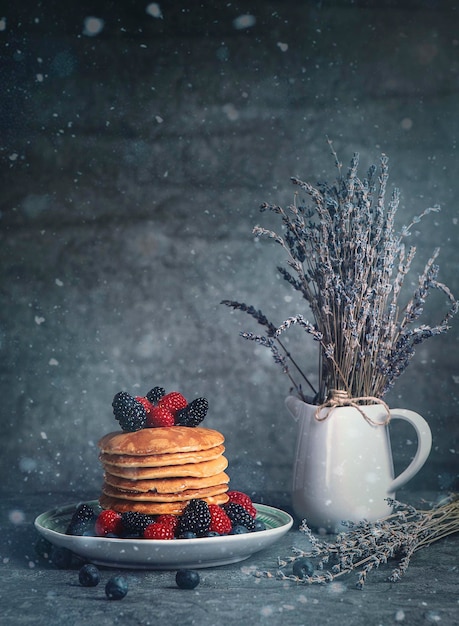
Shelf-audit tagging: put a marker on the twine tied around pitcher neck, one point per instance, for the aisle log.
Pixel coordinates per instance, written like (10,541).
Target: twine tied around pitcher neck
(339,397)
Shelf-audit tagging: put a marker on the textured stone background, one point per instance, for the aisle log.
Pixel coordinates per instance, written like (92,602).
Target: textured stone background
(133,162)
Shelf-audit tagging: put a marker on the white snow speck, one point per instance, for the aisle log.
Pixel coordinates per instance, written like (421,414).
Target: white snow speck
(13,156)
(266,611)
(93,26)
(39,78)
(3,24)
(283,47)
(39,320)
(399,615)
(159,119)
(43,435)
(16,516)
(53,362)
(244,21)
(230,111)
(59,282)
(154,10)
(26,464)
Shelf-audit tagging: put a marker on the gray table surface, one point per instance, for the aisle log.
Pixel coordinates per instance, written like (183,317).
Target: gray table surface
(34,592)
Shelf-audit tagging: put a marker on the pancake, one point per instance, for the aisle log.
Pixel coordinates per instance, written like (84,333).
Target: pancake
(151,441)
(166,485)
(198,470)
(153,508)
(161,460)
(149,496)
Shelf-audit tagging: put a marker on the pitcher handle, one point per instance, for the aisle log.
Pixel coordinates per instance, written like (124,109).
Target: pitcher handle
(424,436)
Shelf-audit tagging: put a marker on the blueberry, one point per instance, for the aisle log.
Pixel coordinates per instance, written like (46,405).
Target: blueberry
(187,578)
(212,533)
(188,534)
(89,575)
(303,567)
(116,588)
(259,525)
(61,557)
(239,530)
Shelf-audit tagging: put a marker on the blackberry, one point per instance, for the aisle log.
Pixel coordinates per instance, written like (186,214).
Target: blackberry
(129,412)
(134,523)
(155,394)
(193,413)
(195,518)
(82,520)
(238,515)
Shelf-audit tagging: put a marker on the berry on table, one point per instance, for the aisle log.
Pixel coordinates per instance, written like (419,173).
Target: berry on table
(108,522)
(187,578)
(219,520)
(158,530)
(116,588)
(89,575)
(239,515)
(159,417)
(129,412)
(244,500)
(193,413)
(173,401)
(303,567)
(61,557)
(195,518)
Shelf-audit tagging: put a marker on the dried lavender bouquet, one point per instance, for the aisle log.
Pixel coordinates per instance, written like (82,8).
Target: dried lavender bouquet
(348,261)
(366,546)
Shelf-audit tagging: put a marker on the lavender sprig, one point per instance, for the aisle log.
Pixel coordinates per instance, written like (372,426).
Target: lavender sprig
(366,546)
(348,261)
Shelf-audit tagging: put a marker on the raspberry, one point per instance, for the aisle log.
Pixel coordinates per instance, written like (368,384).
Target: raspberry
(82,520)
(129,412)
(169,520)
(174,401)
(160,416)
(193,413)
(243,499)
(135,523)
(157,530)
(195,518)
(155,394)
(238,515)
(108,523)
(219,520)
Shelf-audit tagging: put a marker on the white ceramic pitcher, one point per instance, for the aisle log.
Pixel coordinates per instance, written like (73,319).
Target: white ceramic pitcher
(343,467)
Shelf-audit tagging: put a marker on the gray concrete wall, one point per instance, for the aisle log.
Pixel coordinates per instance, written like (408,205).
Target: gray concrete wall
(133,162)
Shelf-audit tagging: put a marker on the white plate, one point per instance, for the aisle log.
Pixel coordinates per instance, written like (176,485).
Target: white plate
(164,554)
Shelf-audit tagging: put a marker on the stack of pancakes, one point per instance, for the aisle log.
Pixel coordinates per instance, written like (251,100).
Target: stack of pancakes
(159,470)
